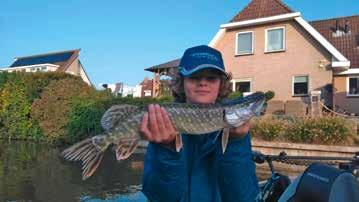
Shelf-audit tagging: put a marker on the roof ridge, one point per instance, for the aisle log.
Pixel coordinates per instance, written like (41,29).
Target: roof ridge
(262,8)
(335,18)
(50,53)
(285,6)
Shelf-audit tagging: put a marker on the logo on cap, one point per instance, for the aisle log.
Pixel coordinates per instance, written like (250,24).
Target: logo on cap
(204,56)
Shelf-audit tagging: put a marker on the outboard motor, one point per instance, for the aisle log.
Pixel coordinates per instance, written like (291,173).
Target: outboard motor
(323,183)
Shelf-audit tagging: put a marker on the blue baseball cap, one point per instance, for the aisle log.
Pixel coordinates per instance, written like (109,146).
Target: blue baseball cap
(200,57)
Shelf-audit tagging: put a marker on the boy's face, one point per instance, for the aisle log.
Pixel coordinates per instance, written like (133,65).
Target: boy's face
(202,87)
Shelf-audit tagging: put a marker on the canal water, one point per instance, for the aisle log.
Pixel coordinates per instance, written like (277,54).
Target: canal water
(36,172)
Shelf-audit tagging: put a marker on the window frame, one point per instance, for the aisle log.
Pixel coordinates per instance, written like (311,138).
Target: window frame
(146,92)
(348,90)
(266,40)
(308,86)
(234,81)
(249,53)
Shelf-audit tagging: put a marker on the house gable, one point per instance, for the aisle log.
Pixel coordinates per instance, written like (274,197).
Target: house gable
(261,9)
(64,61)
(303,55)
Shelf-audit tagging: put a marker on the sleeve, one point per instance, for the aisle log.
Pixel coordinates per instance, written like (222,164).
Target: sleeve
(164,174)
(237,176)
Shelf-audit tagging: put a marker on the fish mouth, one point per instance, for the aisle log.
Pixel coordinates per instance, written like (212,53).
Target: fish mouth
(259,107)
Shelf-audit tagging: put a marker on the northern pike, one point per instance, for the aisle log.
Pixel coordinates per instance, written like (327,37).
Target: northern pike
(121,124)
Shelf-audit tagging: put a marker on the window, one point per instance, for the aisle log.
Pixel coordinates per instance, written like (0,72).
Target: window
(275,39)
(244,43)
(147,92)
(242,85)
(300,85)
(353,86)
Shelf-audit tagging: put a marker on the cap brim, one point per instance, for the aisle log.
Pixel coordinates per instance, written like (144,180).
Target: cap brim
(185,73)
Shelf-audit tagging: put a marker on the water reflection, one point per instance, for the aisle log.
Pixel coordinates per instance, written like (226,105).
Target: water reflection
(36,172)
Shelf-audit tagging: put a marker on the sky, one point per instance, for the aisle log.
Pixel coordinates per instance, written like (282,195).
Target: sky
(119,38)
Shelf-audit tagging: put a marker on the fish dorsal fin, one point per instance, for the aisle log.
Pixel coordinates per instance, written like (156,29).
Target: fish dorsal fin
(115,114)
(125,148)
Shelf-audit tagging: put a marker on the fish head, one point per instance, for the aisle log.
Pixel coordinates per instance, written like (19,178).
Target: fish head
(238,113)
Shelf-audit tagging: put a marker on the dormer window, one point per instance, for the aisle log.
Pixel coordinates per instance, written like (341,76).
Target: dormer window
(339,31)
(275,39)
(244,43)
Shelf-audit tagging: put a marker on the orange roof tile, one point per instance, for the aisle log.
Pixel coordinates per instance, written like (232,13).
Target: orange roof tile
(262,8)
(347,42)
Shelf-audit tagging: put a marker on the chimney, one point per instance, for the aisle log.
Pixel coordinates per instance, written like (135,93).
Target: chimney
(346,26)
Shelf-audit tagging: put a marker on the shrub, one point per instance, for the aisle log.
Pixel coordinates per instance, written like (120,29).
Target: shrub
(15,119)
(269,95)
(268,128)
(52,110)
(319,130)
(235,94)
(301,132)
(84,120)
(85,115)
(37,81)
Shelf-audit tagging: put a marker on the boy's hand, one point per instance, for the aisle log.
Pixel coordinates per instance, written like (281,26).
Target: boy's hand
(240,131)
(156,126)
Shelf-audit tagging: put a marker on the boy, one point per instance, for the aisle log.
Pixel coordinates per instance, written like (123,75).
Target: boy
(199,172)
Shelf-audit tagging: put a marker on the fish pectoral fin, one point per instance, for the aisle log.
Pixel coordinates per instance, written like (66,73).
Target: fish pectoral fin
(125,148)
(225,137)
(178,141)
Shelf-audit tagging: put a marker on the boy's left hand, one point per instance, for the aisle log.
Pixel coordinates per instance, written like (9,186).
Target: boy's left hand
(240,131)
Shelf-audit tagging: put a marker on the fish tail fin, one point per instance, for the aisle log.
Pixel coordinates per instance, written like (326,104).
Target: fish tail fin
(86,152)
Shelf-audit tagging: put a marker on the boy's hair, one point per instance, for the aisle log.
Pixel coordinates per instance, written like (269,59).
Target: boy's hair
(178,88)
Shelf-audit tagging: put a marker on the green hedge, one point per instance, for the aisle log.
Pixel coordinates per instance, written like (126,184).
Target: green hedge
(19,93)
(319,130)
(52,110)
(61,107)
(15,107)
(55,107)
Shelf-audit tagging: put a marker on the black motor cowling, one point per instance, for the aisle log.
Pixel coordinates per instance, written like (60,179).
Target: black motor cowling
(324,183)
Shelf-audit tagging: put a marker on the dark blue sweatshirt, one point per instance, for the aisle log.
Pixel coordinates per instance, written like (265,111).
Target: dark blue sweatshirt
(200,172)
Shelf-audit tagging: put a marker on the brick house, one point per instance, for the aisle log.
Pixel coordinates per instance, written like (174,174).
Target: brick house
(146,87)
(268,46)
(64,61)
